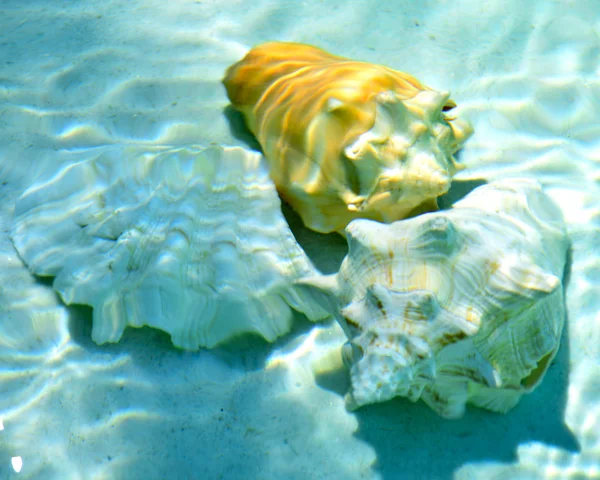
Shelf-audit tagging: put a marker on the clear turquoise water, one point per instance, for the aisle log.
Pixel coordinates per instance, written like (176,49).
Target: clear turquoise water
(79,76)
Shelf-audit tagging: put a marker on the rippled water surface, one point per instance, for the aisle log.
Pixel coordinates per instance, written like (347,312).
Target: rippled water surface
(76,77)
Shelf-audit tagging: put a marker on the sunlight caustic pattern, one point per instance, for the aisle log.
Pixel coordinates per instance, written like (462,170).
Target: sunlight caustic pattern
(89,74)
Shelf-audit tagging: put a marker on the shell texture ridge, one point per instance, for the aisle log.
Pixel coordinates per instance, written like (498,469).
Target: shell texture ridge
(346,139)
(191,241)
(453,307)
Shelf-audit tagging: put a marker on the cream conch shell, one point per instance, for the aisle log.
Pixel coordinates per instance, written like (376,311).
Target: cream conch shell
(346,139)
(451,307)
(188,240)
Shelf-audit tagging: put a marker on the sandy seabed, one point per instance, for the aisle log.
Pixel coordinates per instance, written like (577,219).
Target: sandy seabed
(76,76)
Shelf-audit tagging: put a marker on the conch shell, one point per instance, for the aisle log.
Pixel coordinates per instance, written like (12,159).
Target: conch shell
(188,240)
(346,139)
(453,307)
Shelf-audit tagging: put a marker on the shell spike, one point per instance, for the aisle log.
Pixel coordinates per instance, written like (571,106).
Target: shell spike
(525,280)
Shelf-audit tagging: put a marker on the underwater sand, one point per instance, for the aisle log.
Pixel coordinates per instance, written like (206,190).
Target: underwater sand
(75,76)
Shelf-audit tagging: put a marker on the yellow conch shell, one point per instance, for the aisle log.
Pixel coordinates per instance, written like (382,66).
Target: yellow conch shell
(346,139)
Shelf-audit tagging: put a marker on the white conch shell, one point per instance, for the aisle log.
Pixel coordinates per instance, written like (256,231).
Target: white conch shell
(458,306)
(191,241)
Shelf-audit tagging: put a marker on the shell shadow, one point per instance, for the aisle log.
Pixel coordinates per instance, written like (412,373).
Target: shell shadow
(325,250)
(239,129)
(458,190)
(248,352)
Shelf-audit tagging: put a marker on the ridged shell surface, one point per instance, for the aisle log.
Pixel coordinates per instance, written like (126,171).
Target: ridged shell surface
(188,240)
(346,139)
(453,307)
